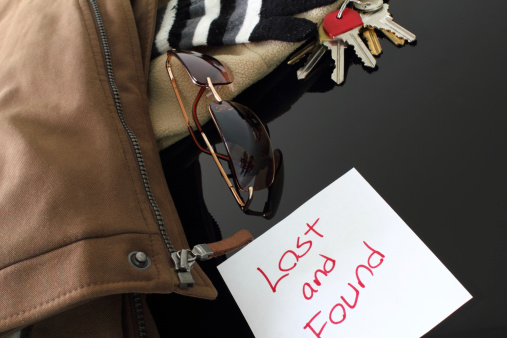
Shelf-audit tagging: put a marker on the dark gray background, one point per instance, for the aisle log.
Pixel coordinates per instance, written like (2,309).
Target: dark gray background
(427,130)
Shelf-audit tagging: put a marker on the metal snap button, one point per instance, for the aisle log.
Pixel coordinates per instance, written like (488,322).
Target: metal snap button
(139,260)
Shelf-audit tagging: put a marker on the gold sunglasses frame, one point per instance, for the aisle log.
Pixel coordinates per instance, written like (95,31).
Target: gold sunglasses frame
(170,54)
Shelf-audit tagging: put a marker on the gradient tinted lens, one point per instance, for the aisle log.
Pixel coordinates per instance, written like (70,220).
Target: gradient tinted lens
(247,144)
(201,66)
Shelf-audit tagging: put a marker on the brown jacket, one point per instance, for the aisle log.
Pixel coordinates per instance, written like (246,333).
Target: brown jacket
(81,186)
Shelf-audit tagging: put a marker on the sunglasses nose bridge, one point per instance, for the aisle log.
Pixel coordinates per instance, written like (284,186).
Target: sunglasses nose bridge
(213,90)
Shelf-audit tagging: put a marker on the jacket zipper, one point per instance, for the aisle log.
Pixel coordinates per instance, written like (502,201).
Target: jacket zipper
(137,148)
(136,309)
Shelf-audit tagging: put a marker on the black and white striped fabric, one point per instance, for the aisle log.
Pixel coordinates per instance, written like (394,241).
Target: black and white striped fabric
(188,23)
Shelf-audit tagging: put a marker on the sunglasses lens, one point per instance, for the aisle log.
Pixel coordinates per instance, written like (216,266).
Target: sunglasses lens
(201,66)
(247,144)
(276,189)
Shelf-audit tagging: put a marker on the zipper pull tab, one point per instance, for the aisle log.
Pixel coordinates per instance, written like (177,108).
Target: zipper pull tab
(184,259)
(183,262)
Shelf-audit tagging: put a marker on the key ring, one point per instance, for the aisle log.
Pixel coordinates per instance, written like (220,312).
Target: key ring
(345,3)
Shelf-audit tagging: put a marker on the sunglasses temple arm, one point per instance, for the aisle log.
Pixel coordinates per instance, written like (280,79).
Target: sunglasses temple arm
(243,205)
(176,91)
(194,108)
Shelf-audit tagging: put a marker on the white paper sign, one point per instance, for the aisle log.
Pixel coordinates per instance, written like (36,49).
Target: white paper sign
(342,265)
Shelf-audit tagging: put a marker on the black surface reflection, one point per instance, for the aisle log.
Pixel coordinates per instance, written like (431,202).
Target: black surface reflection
(426,128)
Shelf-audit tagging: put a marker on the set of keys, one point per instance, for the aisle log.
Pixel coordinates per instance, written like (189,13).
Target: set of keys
(344,27)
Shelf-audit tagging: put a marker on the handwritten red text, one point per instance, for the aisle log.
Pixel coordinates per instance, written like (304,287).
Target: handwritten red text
(338,312)
(290,258)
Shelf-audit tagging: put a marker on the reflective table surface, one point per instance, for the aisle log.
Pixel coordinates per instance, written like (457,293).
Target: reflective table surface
(426,128)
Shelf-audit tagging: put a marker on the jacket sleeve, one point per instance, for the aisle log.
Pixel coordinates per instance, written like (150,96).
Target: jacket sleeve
(81,185)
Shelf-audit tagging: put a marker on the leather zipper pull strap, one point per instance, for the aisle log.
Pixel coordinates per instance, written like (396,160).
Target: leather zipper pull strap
(236,241)
(184,259)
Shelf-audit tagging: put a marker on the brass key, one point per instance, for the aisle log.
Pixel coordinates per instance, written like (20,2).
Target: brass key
(394,39)
(372,39)
(316,54)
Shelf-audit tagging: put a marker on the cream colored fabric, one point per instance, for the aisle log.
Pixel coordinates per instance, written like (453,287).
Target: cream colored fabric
(248,62)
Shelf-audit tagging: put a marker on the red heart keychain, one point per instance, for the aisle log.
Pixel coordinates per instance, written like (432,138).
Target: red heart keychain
(334,26)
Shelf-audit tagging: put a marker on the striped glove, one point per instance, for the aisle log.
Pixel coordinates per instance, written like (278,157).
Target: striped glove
(189,23)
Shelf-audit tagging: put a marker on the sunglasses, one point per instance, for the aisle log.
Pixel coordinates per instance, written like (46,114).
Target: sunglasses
(252,162)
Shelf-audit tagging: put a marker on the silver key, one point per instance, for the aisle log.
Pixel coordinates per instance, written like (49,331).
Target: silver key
(352,38)
(312,61)
(382,19)
(337,48)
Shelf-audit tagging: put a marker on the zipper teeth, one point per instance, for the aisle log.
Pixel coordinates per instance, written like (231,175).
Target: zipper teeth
(140,161)
(138,308)
(132,136)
